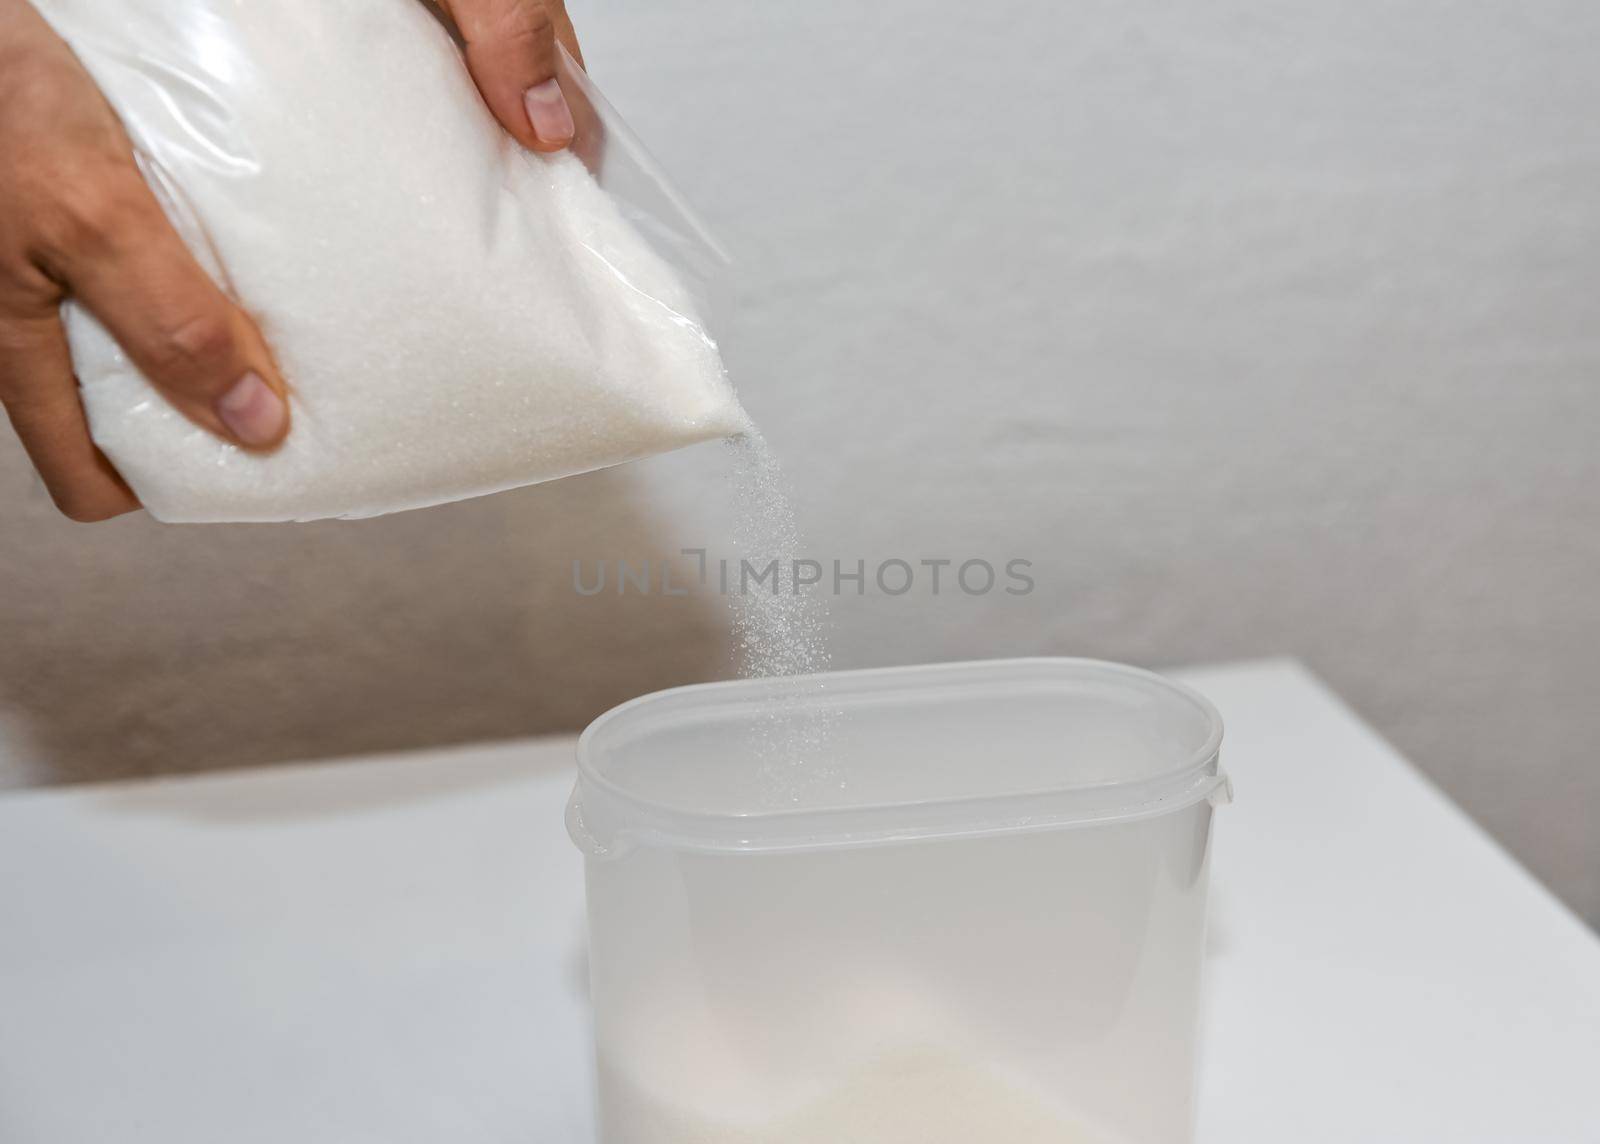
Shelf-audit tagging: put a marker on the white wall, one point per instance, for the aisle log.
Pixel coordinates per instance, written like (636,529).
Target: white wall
(1259,327)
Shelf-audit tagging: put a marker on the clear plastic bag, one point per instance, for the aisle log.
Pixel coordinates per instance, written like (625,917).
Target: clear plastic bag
(454,315)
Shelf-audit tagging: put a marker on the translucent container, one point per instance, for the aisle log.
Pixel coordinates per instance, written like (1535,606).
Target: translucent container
(975,916)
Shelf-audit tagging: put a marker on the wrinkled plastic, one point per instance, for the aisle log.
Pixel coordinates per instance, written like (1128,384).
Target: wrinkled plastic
(453,315)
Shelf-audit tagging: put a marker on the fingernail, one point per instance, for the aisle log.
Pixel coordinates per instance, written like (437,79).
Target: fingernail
(548,112)
(252,411)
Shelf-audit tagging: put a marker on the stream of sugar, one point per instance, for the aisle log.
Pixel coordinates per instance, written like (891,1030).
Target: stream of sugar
(780,629)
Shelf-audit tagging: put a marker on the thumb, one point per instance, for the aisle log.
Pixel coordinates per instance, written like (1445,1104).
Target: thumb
(511,50)
(117,254)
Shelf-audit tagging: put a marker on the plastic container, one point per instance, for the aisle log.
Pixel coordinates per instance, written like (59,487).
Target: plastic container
(982,921)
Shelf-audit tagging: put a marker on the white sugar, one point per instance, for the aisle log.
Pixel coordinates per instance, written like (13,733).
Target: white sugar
(928,1097)
(780,628)
(454,315)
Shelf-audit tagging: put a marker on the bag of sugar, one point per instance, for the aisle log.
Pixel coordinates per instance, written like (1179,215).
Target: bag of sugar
(454,315)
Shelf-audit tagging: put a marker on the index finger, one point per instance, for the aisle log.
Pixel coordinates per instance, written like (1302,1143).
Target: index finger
(41,399)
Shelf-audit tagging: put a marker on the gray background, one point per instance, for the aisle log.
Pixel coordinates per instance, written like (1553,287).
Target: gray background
(1260,328)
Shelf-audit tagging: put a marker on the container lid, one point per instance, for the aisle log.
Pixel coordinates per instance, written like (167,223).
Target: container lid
(892,755)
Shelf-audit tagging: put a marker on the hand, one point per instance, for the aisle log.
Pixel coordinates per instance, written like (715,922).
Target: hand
(511,50)
(77,220)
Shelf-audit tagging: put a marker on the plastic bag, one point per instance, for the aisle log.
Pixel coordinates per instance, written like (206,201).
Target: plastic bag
(454,315)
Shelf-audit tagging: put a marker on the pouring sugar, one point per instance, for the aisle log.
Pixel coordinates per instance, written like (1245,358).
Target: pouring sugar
(779,627)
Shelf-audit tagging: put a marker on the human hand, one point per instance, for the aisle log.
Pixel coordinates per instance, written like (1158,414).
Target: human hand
(512,47)
(78,220)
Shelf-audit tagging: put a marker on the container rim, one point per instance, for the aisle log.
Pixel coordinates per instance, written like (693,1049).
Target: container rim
(649,822)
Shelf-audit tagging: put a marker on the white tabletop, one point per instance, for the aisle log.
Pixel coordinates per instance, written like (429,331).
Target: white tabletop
(389,950)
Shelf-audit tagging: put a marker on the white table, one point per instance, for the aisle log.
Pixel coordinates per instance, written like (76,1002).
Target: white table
(390,951)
